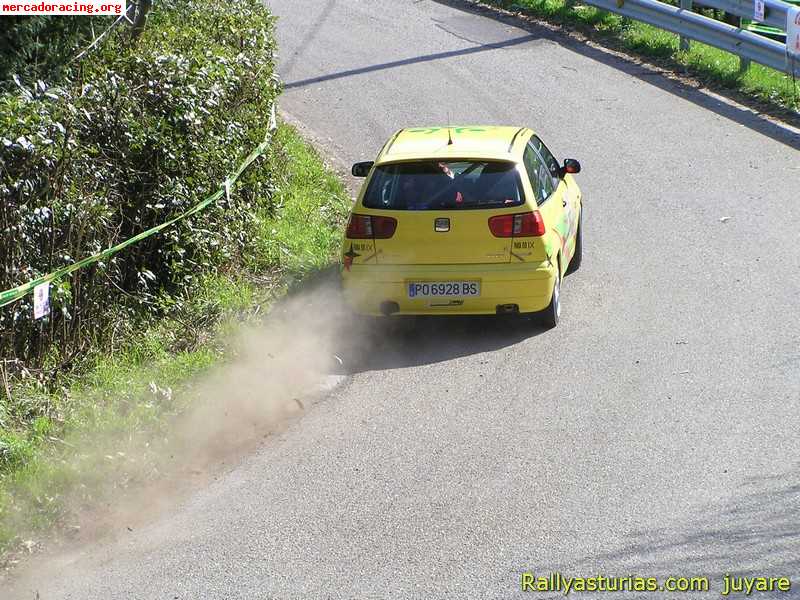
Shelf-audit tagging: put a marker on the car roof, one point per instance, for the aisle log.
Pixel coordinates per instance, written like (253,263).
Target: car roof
(475,141)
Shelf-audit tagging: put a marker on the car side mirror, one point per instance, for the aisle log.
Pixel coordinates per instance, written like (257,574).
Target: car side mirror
(361,169)
(571,166)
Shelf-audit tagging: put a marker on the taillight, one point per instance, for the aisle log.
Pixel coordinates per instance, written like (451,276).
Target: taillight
(359,227)
(373,227)
(529,224)
(383,227)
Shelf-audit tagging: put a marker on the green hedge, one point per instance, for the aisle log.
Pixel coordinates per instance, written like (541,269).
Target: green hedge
(36,48)
(130,136)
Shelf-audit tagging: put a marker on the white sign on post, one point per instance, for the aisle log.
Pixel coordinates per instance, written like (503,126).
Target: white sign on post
(41,300)
(793,31)
(758,11)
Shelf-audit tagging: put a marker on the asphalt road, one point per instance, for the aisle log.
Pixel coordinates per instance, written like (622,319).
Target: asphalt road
(653,433)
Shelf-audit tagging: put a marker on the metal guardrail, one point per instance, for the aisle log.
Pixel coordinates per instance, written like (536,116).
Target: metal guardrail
(775,12)
(687,24)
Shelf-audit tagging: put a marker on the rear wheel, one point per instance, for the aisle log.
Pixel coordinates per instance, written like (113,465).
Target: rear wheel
(550,315)
(575,263)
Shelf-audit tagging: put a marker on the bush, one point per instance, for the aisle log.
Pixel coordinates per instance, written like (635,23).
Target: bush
(134,135)
(40,47)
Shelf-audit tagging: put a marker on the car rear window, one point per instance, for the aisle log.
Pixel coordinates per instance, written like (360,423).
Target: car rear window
(444,185)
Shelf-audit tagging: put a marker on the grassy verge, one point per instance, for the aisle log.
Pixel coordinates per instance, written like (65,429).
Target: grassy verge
(710,65)
(88,443)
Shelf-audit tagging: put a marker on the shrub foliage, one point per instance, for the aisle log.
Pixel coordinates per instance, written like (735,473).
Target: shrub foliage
(41,47)
(132,135)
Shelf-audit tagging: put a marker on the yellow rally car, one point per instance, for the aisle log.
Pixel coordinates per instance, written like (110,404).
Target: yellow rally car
(462,220)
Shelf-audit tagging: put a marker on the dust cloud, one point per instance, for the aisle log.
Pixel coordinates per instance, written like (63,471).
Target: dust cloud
(278,369)
(274,371)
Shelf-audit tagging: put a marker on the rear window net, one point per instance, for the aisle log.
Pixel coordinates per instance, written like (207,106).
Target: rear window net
(444,185)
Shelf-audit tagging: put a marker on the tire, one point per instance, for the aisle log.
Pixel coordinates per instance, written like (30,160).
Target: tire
(575,262)
(549,316)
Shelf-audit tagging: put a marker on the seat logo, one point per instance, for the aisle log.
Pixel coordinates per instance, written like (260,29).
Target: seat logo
(441,224)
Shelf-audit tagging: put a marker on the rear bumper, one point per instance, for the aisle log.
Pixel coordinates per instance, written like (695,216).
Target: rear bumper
(529,286)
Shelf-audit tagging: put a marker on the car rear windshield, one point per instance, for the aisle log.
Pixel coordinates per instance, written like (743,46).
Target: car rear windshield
(444,185)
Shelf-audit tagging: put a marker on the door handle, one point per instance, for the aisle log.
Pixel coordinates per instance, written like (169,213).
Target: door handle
(563,203)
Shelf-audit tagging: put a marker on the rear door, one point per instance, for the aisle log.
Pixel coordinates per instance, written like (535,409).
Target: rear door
(569,197)
(550,193)
(443,210)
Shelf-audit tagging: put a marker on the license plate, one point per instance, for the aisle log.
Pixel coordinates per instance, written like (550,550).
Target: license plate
(443,289)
